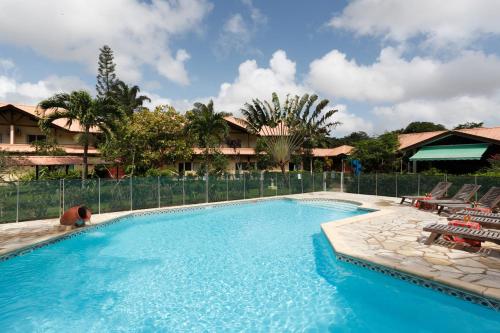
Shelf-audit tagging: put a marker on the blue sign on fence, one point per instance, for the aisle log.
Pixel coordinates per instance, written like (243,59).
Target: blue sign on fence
(356,167)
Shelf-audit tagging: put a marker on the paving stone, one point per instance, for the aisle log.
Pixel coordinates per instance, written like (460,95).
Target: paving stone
(472,277)
(443,268)
(467,269)
(437,261)
(489,282)
(469,262)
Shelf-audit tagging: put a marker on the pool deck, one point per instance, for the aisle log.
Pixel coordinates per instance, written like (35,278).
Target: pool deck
(391,237)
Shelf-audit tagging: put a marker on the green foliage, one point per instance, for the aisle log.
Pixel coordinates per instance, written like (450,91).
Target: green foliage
(264,156)
(46,173)
(207,126)
(284,128)
(92,113)
(127,98)
(106,77)
(469,125)
(3,164)
(350,140)
(47,147)
(215,164)
(318,165)
(209,130)
(155,172)
(378,154)
(422,126)
(149,140)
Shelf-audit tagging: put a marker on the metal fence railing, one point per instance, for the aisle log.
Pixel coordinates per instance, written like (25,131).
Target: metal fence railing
(42,199)
(396,185)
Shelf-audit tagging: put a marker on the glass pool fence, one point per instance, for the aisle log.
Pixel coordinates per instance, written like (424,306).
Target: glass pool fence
(43,199)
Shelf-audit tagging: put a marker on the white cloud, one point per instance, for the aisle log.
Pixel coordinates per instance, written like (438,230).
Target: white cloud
(349,122)
(260,82)
(14,90)
(449,112)
(237,33)
(440,23)
(32,93)
(257,82)
(139,32)
(392,78)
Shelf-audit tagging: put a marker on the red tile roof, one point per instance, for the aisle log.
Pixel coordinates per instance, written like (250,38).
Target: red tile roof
(38,113)
(413,139)
(331,152)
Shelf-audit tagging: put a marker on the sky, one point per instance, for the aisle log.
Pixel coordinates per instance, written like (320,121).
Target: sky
(381,63)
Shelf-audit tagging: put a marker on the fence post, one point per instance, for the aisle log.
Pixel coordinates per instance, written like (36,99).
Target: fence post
(358,182)
(312,173)
(206,187)
(276,184)
(227,187)
(17,201)
(159,193)
(475,183)
(376,183)
(63,203)
(244,186)
(131,195)
(261,184)
(396,184)
(183,190)
(418,184)
(60,197)
(99,195)
(324,181)
(342,181)
(301,182)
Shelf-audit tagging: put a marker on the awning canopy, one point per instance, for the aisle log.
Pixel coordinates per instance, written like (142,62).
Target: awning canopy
(451,152)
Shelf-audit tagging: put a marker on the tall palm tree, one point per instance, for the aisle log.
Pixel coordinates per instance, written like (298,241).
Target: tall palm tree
(207,127)
(127,97)
(91,113)
(286,128)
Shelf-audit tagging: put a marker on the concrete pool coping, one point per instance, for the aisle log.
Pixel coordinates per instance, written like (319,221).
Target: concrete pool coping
(350,238)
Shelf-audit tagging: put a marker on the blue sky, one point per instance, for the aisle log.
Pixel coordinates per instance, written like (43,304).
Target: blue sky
(381,63)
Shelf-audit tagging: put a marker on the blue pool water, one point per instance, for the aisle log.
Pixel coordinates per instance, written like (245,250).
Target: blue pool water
(255,267)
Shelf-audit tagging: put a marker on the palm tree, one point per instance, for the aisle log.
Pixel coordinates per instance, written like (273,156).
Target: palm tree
(91,113)
(127,97)
(207,127)
(286,128)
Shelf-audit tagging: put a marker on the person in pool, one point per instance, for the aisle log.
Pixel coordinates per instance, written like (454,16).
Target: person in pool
(76,216)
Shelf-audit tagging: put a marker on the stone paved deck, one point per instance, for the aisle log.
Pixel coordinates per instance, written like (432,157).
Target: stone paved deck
(391,237)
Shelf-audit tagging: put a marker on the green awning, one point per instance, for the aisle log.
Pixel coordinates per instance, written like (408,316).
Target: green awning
(451,152)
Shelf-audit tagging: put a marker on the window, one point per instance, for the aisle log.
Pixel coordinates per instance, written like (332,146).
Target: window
(185,166)
(32,138)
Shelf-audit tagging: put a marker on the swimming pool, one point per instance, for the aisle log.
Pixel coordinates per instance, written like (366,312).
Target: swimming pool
(261,266)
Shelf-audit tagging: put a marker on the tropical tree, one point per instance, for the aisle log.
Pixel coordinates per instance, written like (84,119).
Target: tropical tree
(285,128)
(378,154)
(128,98)
(148,140)
(93,114)
(422,126)
(208,128)
(106,77)
(469,125)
